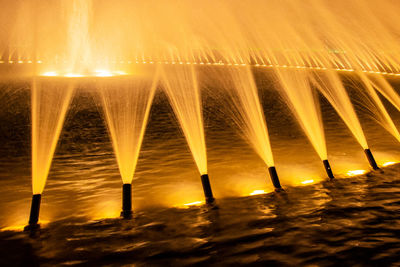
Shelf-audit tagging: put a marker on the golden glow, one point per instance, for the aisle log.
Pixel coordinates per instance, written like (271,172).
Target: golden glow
(119,72)
(73,75)
(389,163)
(20,227)
(307,181)
(106,209)
(195,203)
(103,73)
(50,73)
(107,214)
(257,192)
(96,73)
(356,172)
(13,228)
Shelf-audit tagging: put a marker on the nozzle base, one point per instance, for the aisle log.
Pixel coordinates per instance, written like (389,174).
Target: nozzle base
(34,215)
(32,227)
(328,169)
(126,212)
(275,179)
(371,159)
(207,189)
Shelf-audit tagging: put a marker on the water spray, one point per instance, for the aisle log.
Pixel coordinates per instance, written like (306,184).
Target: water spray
(275,179)
(207,189)
(34,216)
(328,169)
(371,159)
(126,212)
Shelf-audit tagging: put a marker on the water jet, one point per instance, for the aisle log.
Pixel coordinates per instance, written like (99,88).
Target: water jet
(34,215)
(328,169)
(275,179)
(207,189)
(126,212)
(371,159)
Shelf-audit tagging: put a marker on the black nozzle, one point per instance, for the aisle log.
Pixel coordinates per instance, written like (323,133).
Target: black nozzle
(371,159)
(207,189)
(275,179)
(328,169)
(126,201)
(34,215)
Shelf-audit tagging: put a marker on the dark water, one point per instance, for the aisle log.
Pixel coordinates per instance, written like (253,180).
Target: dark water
(349,222)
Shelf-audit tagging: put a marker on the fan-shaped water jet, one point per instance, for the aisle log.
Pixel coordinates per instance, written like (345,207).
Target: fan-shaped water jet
(126,102)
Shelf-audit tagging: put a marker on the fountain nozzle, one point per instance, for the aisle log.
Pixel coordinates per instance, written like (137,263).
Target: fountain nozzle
(328,169)
(207,189)
(34,215)
(371,159)
(275,179)
(126,212)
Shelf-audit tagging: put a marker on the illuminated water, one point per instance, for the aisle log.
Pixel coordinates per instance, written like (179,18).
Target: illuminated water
(351,221)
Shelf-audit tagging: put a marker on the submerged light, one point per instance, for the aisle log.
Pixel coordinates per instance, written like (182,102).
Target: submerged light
(388,163)
(307,181)
(103,73)
(356,172)
(196,203)
(50,74)
(73,75)
(257,192)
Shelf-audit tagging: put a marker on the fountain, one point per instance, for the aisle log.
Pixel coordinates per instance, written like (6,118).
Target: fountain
(246,111)
(302,99)
(125,48)
(126,103)
(181,86)
(50,101)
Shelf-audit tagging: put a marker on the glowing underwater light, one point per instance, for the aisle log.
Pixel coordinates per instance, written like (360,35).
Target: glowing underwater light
(307,181)
(73,75)
(103,73)
(356,172)
(196,203)
(257,192)
(388,163)
(50,74)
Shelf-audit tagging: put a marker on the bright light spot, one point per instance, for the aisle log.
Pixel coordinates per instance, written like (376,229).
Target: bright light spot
(103,73)
(120,72)
(356,172)
(50,73)
(13,228)
(107,214)
(308,181)
(257,192)
(10,61)
(196,203)
(20,61)
(73,75)
(388,163)
(1,61)
(39,61)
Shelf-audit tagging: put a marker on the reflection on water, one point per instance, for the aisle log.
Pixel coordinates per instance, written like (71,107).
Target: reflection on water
(352,221)
(348,222)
